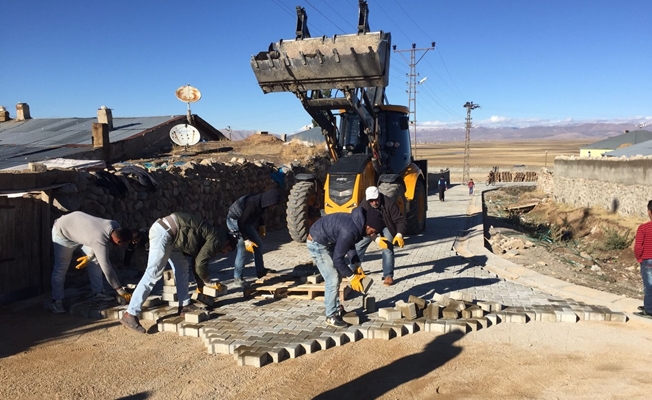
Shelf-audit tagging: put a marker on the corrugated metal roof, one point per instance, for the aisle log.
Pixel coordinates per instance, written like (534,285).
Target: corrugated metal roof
(312,135)
(48,138)
(632,137)
(62,131)
(641,149)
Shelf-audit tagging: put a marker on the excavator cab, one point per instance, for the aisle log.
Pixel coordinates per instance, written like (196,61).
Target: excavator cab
(343,79)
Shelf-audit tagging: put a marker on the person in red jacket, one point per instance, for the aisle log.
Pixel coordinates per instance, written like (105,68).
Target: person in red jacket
(643,253)
(471,185)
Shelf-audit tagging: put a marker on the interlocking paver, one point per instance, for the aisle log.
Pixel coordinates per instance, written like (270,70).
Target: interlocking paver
(428,272)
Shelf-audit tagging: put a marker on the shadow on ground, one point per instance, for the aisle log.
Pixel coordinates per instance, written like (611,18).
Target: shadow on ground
(380,381)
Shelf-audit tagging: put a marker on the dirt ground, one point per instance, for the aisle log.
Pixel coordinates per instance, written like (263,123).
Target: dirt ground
(256,147)
(506,154)
(572,244)
(67,357)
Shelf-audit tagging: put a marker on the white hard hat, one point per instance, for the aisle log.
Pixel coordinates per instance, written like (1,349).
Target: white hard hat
(371,193)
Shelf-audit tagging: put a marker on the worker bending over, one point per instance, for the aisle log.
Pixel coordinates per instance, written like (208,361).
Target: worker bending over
(94,236)
(169,239)
(332,238)
(246,217)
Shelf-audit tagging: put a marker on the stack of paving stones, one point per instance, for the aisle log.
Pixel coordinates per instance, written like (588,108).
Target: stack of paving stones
(435,290)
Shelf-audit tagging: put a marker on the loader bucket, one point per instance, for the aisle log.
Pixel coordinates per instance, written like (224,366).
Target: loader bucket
(340,62)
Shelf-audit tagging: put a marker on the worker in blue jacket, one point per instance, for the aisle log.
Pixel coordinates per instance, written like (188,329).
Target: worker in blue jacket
(331,239)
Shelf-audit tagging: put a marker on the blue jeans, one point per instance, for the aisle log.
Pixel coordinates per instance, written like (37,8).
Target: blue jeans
(160,253)
(646,276)
(241,252)
(63,251)
(323,257)
(388,253)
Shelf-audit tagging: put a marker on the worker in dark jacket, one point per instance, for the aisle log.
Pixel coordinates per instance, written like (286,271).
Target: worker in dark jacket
(246,217)
(171,238)
(331,239)
(443,186)
(394,230)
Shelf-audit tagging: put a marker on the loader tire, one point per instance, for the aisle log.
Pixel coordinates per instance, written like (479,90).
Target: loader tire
(416,217)
(304,209)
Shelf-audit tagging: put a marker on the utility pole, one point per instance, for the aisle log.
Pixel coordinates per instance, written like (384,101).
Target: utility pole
(467,141)
(412,87)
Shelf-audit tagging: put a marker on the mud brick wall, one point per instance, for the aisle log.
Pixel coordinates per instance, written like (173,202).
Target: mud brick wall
(619,185)
(545,181)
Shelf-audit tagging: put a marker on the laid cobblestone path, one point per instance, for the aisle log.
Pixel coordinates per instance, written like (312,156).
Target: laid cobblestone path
(273,329)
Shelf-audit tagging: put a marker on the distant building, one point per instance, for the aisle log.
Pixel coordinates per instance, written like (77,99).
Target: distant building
(312,135)
(625,140)
(26,139)
(641,149)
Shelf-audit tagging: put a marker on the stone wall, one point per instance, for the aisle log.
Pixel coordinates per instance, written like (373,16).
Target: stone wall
(619,185)
(205,188)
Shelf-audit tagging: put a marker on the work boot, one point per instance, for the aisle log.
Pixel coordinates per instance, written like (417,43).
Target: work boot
(132,322)
(189,308)
(56,306)
(336,321)
(263,272)
(388,281)
(102,297)
(240,283)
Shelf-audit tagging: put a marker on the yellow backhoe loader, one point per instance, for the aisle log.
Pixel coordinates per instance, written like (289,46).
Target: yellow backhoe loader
(341,83)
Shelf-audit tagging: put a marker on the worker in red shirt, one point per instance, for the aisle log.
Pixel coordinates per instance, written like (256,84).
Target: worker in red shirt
(643,253)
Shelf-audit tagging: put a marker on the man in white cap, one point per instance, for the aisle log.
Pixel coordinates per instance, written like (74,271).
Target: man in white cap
(395,227)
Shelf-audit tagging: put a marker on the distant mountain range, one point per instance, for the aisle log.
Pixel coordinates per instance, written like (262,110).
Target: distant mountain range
(588,131)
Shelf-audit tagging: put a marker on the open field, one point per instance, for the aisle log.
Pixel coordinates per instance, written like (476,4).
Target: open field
(531,153)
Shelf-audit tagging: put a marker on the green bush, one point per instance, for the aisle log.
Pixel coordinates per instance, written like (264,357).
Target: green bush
(614,240)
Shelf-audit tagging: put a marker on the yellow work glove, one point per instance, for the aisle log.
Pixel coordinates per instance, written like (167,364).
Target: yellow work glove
(398,240)
(83,261)
(249,245)
(382,242)
(221,289)
(262,231)
(356,282)
(124,297)
(358,271)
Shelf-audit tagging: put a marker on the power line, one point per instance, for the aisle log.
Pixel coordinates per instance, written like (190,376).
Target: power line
(324,15)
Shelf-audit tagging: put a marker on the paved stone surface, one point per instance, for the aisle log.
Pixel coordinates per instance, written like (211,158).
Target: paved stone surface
(428,267)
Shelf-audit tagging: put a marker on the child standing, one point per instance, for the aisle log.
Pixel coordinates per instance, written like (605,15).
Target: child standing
(471,186)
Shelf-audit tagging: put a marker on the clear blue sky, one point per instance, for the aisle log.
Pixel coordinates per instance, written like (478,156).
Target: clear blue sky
(523,61)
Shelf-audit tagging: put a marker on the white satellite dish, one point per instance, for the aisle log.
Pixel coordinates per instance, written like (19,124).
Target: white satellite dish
(184,135)
(188,94)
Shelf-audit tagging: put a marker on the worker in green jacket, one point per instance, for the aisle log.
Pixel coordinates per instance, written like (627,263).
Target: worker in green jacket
(170,239)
